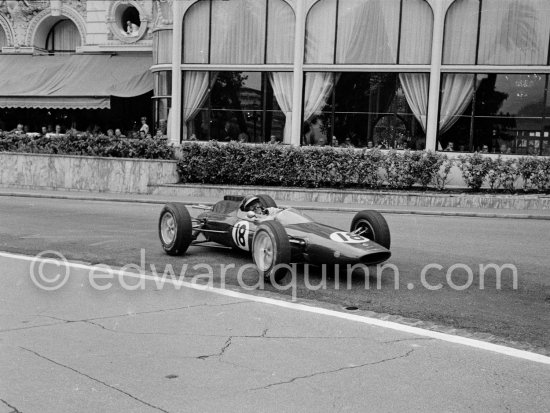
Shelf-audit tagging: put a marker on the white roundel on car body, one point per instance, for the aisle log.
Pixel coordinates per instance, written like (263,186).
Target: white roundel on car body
(241,233)
(347,237)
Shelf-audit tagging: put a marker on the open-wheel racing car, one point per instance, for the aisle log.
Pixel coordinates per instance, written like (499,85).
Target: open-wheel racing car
(275,236)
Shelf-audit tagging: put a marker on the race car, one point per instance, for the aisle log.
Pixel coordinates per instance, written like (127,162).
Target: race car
(275,236)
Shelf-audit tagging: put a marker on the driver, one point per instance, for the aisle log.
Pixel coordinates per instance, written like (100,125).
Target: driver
(254,204)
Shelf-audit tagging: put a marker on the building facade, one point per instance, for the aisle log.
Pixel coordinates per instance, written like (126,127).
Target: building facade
(77,63)
(460,75)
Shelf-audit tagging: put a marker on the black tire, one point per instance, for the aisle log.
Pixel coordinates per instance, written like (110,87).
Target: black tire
(267,201)
(270,247)
(175,229)
(375,225)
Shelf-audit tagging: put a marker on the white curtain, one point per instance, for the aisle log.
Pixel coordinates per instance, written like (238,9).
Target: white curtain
(318,87)
(461,33)
(280,32)
(64,37)
(320,29)
(162,51)
(282,84)
(416,86)
(196,87)
(195,33)
(457,91)
(367,31)
(514,32)
(416,33)
(238,32)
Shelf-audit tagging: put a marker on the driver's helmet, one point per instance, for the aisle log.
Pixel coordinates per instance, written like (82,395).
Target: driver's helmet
(249,203)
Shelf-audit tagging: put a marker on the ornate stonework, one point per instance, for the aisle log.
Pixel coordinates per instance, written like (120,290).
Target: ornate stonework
(8,30)
(18,13)
(163,13)
(67,12)
(117,31)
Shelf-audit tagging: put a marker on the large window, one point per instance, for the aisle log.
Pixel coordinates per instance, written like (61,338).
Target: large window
(369,32)
(239,32)
(363,109)
(162,101)
(235,106)
(497,32)
(498,113)
(63,37)
(162,46)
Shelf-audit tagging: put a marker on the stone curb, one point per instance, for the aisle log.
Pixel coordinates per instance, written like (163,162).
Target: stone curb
(303,207)
(387,199)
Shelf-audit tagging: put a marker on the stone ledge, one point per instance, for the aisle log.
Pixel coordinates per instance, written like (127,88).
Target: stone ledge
(379,198)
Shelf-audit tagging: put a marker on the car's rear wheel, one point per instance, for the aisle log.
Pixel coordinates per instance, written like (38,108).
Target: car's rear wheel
(271,249)
(267,201)
(373,226)
(175,229)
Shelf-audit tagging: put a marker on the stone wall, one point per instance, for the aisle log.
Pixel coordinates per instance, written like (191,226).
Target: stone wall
(38,171)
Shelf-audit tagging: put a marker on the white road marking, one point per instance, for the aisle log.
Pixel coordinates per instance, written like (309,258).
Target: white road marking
(482,345)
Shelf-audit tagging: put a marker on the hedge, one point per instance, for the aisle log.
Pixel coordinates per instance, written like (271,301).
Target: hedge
(314,167)
(88,145)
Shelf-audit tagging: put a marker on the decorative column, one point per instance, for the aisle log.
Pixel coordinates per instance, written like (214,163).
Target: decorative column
(439,8)
(175,115)
(299,51)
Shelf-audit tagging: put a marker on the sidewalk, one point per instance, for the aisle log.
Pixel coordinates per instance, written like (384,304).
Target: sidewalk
(309,206)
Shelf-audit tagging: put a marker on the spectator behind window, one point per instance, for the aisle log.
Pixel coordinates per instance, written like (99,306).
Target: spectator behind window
(132,29)
(144,126)
(347,143)
(160,135)
(504,149)
(243,137)
(450,147)
(57,133)
(19,130)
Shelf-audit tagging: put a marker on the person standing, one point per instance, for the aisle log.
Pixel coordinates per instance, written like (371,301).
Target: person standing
(144,126)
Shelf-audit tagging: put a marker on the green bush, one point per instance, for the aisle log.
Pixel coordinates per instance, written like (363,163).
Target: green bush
(535,173)
(308,167)
(475,168)
(88,145)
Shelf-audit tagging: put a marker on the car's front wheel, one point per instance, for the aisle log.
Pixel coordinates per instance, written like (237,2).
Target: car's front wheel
(372,225)
(271,250)
(175,229)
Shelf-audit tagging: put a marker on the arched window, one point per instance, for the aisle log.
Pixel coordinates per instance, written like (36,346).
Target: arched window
(63,37)
(369,32)
(3,39)
(497,32)
(239,32)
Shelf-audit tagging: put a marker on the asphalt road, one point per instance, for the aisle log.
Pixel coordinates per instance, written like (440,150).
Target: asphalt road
(177,349)
(123,233)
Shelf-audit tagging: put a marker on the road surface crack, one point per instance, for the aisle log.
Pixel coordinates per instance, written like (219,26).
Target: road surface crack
(220,353)
(94,379)
(319,373)
(14,409)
